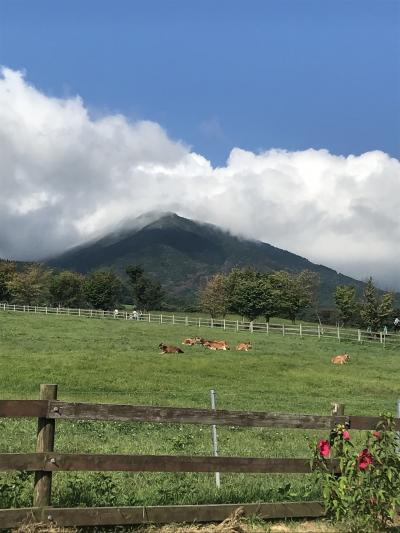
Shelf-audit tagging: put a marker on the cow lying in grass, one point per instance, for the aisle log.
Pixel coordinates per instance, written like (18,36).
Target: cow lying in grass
(192,342)
(216,345)
(169,349)
(340,359)
(243,346)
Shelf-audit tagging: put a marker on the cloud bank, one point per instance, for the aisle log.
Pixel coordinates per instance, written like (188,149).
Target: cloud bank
(66,177)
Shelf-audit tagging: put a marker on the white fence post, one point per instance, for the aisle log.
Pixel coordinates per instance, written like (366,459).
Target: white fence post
(237,325)
(160,319)
(319,331)
(300,330)
(224,324)
(173,319)
(267,328)
(359,335)
(338,333)
(199,322)
(283,330)
(212,322)
(186,321)
(251,327)
(215,438)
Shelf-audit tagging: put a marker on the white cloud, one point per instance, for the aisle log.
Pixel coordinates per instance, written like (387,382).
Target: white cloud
(65,177)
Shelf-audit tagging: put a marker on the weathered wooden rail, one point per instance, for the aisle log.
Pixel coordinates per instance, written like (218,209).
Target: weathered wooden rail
(46,461)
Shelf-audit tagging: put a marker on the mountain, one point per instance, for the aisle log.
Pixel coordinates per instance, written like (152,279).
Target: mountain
(183,253)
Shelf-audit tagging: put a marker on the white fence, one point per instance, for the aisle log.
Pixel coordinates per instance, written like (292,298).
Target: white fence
(302,330)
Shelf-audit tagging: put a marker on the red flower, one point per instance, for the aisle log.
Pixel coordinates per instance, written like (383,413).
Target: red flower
(377,434)
(324,448)
(346,435)
(364,459)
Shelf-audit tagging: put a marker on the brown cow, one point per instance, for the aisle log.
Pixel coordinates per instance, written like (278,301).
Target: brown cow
(340,359)
(192,342)
(169,349)
(244,346)
(216,345)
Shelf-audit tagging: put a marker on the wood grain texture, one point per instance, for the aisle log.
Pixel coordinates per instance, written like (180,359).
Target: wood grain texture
(45,443)
(177,415)
(23,408)
(108,516)
(57,462)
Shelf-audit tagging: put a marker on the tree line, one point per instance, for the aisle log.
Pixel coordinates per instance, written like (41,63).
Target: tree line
(254,294)
(243,291)
(35,284)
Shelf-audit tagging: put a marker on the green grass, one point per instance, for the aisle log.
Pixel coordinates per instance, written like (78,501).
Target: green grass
(119,362)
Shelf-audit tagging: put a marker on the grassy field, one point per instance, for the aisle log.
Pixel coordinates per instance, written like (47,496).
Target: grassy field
(118,361)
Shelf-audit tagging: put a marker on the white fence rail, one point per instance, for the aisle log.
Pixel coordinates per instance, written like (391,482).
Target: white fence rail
(302,330)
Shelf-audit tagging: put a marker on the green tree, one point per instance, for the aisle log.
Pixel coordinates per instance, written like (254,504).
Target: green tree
(375,310)
(31,286)
(147,293)
(214,296)
(346,304)
(7,271)
(247,292)
(271,297)
(102,289)
(295,292)
(67,289)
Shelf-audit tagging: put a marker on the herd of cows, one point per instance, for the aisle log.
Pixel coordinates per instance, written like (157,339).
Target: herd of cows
(340,359)
(211,345)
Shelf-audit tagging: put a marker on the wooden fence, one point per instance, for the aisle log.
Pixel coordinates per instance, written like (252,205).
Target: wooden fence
(46,461)
(302,330)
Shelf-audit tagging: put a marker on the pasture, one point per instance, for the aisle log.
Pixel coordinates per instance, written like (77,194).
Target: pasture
(97,360)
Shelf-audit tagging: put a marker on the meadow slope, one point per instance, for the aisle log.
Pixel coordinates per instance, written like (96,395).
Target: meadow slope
(118,361)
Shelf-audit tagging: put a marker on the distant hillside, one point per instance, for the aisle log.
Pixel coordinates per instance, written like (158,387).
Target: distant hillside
(182,253)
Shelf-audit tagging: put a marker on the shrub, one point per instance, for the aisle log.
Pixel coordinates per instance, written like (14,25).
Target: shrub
(364,496)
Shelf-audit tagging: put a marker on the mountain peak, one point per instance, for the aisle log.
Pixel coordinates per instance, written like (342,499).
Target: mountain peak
(181,253)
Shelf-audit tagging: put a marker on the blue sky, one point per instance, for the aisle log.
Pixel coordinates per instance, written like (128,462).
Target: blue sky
(291,74)
(181,106)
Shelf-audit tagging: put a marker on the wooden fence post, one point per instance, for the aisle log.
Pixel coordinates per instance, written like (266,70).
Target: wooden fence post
(237,325)
(45,443)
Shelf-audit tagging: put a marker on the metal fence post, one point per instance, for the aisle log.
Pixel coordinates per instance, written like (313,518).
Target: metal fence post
(398,434)
(215,438)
